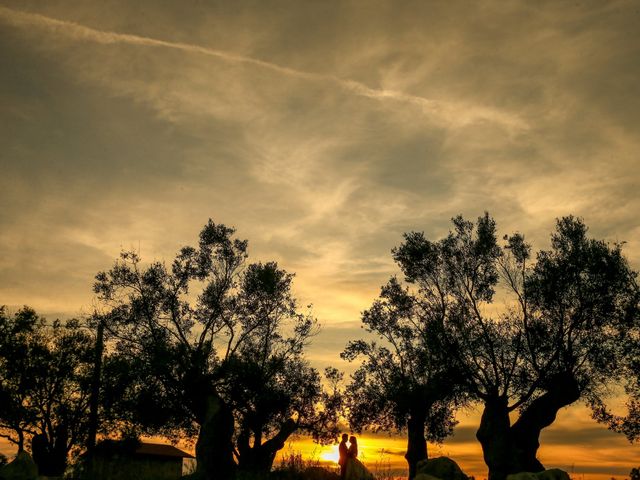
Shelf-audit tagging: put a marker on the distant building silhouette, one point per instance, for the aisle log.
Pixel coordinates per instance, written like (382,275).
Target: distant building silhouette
(120,460)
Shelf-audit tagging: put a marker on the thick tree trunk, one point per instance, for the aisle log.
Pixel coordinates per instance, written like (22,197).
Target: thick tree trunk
(416,442)
(494,437)
(260,457)
(525,433)
(50,455)
(214,448)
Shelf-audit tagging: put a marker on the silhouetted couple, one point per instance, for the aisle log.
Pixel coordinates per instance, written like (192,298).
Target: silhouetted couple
(350,467)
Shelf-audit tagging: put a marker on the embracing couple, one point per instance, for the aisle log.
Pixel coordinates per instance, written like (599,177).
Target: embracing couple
(350,467)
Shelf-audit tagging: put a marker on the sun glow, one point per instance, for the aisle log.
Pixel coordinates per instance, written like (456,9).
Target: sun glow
(331,455)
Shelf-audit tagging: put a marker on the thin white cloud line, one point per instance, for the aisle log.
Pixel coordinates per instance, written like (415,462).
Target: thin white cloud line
(448,111)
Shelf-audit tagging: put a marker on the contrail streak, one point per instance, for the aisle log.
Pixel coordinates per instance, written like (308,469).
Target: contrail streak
(451,112)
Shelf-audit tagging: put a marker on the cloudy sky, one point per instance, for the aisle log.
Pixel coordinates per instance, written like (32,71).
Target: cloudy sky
(321,130)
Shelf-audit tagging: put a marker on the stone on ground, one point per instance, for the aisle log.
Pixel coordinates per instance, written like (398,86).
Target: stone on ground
(551,474)
(440,467)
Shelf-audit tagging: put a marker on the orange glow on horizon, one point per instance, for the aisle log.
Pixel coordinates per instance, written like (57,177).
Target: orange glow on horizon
(601,455)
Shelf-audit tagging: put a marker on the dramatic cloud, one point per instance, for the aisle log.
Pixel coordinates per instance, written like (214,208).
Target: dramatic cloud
(450,113)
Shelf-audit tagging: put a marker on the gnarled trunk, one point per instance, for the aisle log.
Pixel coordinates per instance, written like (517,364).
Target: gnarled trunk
(494,437)
(50,454)
(260,457)
(416,441)
(512,449)
(525,433)
(214,448)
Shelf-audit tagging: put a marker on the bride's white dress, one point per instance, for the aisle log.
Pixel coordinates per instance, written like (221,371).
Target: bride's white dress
(356,470)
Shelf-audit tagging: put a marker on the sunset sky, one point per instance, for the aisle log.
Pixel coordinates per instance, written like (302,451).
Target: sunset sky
(321,130)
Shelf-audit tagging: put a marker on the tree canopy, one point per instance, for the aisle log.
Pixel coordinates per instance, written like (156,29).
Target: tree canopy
(557,340)
(45,375)
(194,328)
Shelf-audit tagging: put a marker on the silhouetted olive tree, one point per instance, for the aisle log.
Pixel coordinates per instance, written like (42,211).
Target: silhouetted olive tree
(217,348)
(18,337)
(403,383)
(555,342)
(45,375)
(271,387)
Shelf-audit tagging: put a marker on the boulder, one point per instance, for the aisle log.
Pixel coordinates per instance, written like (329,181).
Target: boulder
(440,467)
(551,474)
(21,468)
(554,474)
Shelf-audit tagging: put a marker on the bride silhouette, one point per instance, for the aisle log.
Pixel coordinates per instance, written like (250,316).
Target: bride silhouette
(355,469)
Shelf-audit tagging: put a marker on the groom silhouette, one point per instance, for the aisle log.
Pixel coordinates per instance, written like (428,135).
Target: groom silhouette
(344,455)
